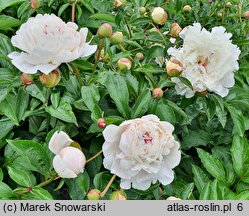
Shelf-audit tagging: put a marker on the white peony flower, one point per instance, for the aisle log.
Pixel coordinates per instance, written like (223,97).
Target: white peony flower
(209,60)
(69,161)
(173,198)
(46,42)
(141,151)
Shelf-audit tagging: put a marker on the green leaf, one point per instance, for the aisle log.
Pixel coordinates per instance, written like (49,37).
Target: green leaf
(187,191)
(79,186)
(154,52)
(63,8)
(3,94)
(4,4)
(1,174)
(55,99)
(185,81)
(37,91)
(35,152)
(212,165)
(104,17)
(200,178)
(6,191)
(22,103)
(7,22)
(196,138)
(238,120)
(63,112)
(244,195)
(165,112)
(141,105)
(7,110)
(41,194)
(150,68)
(90,96)
(204,195)
(19,176)
(118,90)
(5,127)
(240,155)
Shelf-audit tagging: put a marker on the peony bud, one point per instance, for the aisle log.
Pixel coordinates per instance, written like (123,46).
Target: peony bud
(118,195)
(27,79)
(174,68)
(157,93)
(103,56)
(228,4)
(220,14)
(50,80)
(173,198)
(124,64)
(187,8)
(142,10)
(159,16)
(35,4)
(246,15)
(117,38)
(101,123)
(175,30)
(210,1)
(105,30)
(69,163)
(140,56)
(119,3)
(94,194)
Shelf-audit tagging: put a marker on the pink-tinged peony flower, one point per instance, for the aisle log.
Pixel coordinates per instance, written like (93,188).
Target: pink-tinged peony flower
(46,42)
(141,151)
(69,161)
(209,60)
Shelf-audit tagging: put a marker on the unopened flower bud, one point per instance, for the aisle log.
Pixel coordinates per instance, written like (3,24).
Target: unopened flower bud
(50,80)
(93,194)
(187,8)
(202,93)
(124,64)
(210,1)
(119,3)
(118,195)
(105,30)
(220,14)
(174,68)
(246,15)
(175,30)
(101,123)
(228,4)
(35,4)
(27,79)
(173,198)
(142,10)
(159,16)
(140,56)
(103,56)
(157,93)
(117,38)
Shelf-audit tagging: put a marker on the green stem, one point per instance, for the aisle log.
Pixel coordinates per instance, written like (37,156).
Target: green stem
(108,186)
(162,36)
(101,45)
(121,47)
(77,73)
(93,157)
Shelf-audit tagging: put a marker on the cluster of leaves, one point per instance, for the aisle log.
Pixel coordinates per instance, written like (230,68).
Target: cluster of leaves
(213,131)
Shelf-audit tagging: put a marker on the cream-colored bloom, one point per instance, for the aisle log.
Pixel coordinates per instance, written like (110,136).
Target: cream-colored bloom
(141,151)
(46,42)
(209,60)
(173,198)
(69,161)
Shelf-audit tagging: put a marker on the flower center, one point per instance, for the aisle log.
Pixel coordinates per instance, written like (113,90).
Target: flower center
(147,138)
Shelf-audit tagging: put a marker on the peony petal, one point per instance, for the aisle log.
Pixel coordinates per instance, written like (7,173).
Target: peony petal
(61,168)
(58,141)
(125,184)
(151,117)
(111,133)
(74,159)
(88,50)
